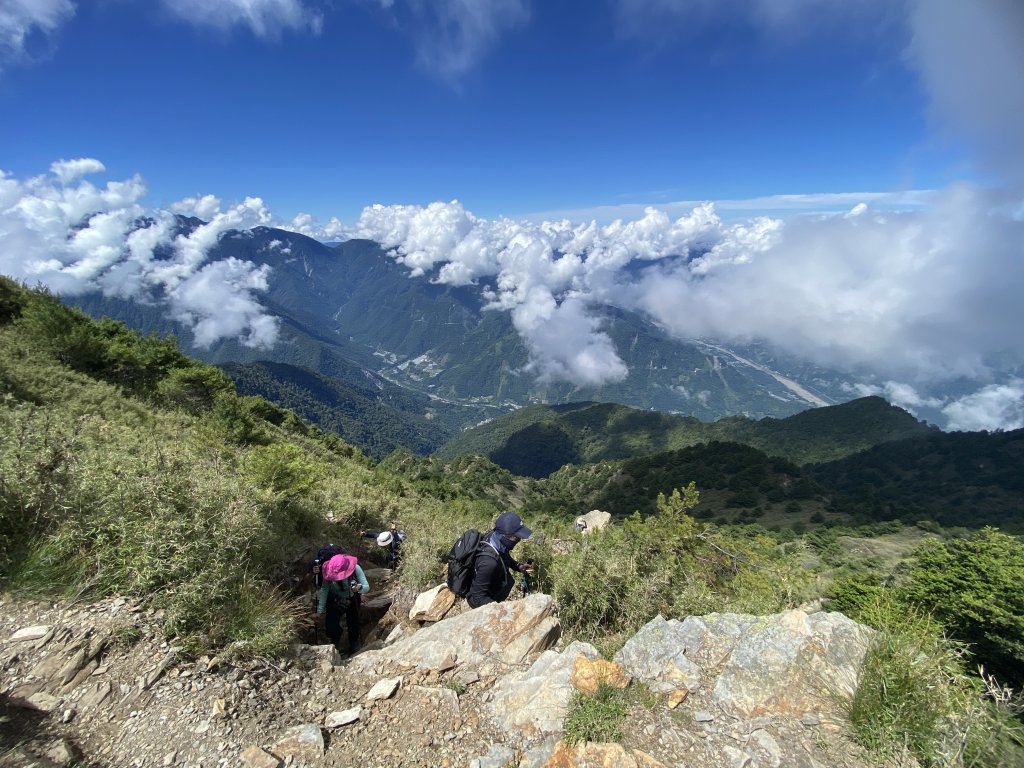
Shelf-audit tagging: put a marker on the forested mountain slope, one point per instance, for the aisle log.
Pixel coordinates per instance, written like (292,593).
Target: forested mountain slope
(538,440)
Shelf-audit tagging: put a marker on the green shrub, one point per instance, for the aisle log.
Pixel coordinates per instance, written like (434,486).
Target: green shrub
(973,587)
(913,694)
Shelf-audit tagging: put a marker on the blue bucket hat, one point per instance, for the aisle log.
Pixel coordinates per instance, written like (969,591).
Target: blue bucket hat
(510,524)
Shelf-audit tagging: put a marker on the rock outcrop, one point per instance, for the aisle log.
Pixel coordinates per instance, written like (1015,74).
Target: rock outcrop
(485,688)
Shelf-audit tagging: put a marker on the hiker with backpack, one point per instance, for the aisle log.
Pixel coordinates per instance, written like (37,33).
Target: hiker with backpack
(390,541)
(492,580)
(342,592)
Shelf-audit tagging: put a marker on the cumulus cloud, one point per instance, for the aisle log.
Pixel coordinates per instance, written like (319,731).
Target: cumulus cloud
(73,236)
(21,21)
(306,224)
(565,341)
(998,406)
(264,18)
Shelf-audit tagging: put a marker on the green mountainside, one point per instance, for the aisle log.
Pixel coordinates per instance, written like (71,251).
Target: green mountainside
(377,416)
(349,309)
(537,441)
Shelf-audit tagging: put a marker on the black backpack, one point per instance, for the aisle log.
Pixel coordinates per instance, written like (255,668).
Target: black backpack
(461,562)
(323,554)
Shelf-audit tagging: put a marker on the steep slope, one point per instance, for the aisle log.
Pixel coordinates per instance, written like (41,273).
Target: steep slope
(377,416)
(956,479)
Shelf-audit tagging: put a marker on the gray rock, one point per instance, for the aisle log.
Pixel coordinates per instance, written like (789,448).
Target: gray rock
(29,633)
(792,663)
(657,656)
(383,689)
(498,756)
(303,742)
(533,702)
(488,637)
(433,604)
(347,717)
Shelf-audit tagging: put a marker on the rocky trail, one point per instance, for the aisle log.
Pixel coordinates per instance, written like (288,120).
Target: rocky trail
(97,685)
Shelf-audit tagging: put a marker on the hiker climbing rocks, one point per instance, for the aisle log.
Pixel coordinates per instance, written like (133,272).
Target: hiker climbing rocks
(492,581)
(342,592)
(390,541)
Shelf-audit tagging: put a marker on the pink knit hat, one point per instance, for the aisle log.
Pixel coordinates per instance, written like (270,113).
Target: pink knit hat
(339,567)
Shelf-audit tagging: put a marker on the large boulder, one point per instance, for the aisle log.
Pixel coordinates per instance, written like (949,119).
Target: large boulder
(788,663)
(490,639)
(793,664)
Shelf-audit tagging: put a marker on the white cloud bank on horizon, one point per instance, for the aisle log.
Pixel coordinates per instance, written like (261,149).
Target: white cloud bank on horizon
(923,296)
(62,231)
(910,298)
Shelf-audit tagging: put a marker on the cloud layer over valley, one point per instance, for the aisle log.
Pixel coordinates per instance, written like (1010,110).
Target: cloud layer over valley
(906,301)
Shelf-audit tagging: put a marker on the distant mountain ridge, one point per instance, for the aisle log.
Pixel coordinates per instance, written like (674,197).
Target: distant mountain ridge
(539,440)
(350,309)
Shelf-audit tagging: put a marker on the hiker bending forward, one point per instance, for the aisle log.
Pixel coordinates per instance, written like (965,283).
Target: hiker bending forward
(492,581)
(342,592)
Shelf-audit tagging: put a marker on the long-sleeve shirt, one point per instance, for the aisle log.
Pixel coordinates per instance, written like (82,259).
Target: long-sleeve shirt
(492,581)
(342,588)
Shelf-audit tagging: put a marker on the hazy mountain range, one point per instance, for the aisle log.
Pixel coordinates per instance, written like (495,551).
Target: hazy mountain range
(435,358)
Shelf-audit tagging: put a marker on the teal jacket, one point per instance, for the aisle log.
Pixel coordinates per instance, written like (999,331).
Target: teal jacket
(342,589)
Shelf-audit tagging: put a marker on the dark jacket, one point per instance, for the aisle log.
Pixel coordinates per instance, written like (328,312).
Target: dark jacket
(492,581)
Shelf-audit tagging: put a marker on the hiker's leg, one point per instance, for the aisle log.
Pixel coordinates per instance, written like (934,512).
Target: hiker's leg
(352,619)
(332,623)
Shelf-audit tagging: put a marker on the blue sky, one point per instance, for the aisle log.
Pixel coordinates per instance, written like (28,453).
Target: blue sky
(527,107)
(845,177)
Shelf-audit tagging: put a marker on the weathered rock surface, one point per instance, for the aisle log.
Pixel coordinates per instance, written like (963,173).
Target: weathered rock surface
(485,688)
(433,604)
(489,638)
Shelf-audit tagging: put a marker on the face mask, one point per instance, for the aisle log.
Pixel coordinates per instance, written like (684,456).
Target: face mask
(509,542)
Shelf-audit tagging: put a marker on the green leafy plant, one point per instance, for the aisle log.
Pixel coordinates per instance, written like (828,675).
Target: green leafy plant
(596,718)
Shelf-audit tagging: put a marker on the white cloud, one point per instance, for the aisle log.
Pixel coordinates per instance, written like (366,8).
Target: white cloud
(75,237)
(205,207)
(452,36)
(264,18)
(971,61)
(900,394)
(565,341)
(21,20)
(69,170)
(999,406)
(923,296)
(305,224)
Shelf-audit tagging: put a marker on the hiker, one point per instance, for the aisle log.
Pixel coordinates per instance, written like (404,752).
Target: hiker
(390,541)
(343,591)
(492,581)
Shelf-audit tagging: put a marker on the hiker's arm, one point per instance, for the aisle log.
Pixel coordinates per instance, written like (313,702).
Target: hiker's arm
(363,583)
(371,534)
